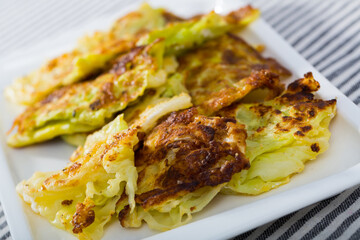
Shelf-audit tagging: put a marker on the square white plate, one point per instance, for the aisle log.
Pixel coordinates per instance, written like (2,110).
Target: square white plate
(226,216)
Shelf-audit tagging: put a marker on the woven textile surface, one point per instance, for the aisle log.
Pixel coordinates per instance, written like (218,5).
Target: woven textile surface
(326,33)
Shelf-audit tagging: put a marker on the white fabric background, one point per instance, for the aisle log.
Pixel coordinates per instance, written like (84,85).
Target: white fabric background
(327,33)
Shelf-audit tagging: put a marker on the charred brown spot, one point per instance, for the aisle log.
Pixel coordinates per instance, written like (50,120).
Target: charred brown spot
(236,16)
(297,85)
(263,78)
(66,202)
(107,96)
(123,214)
(260,129)
(233,120)
(213,80)
(95,105)
(260,109)
(315,147)
(209,131)
(150,92)
(311,113)
(141,136)
(122,63)
(83,217)
(324,104)
(299,133)
(318,104)
(306,84)
(122,198)
(283,130)
(286,118)
(306,128)
(284,126)
(297,97)
(185,118)
(54,96)
(72,169)
(229,57)
(192,208)
(195,153)
(107,92)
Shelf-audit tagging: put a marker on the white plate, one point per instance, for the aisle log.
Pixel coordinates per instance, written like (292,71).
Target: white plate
(226,216)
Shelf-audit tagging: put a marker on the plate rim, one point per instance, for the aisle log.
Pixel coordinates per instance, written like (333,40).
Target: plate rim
(20,228)
(222,228)
(14,211)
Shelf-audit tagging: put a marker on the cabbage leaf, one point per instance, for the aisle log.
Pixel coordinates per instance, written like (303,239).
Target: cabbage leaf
(82,197)
(91,55)
(283,134)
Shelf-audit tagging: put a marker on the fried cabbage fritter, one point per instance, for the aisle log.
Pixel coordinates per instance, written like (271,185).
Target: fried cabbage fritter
(162,160)
(224,83)
(187,157)
(195,32)
(219,64)
(91,55)
(257,80)
(283,134)
(82,197)
(86,106)
(186,160)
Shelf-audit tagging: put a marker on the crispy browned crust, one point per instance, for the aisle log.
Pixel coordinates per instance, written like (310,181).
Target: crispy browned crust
(221,63)
(123,214)
(257,79)
(111,44)
(66,202)
(197,151)
(80,158)
(119,67)
(306,108)
(83,217)
(239,14)
(61,98)
(299,95)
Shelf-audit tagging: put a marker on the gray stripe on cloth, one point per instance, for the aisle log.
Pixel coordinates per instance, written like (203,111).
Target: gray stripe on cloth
(344,225)
(327,33)
(327,220)
(348,79)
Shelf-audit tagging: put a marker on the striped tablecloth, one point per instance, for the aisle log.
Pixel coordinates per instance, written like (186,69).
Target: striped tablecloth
(327,33)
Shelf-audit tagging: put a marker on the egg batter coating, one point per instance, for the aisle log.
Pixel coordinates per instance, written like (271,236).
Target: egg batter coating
(184,154)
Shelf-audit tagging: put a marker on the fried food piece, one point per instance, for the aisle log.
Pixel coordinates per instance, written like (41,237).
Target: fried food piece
(262,79)
(92,55)
(185,155)
(82,197)
(220,64)
(86,106)
(196,31)
(215,83)
(283,134)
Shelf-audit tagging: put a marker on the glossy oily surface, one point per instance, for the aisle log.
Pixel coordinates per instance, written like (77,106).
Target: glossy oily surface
(49,156)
